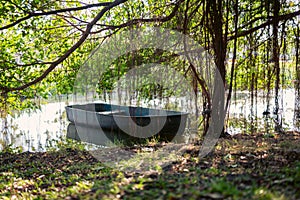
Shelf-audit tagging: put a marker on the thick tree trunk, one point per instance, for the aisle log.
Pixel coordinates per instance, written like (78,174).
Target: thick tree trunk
(219,46)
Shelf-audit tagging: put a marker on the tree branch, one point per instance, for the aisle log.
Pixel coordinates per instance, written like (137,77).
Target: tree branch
(35,14)
(263,25)
(71,50)
(72,24)
(29,64)
(136,21)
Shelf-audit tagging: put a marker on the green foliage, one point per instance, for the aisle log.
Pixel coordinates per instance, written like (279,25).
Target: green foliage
(64,143)
(32,40)
(28,49)
(9,149)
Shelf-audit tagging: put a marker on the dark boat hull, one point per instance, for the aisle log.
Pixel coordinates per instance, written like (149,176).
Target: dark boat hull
(117,121)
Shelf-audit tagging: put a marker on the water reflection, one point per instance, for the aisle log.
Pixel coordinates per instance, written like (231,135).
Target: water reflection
(33,130)
(86,134)
(110,138)
(249,115)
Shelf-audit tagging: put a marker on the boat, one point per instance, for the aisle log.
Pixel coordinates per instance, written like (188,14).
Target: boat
(127,123)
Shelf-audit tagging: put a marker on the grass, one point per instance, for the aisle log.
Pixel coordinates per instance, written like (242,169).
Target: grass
(242,167)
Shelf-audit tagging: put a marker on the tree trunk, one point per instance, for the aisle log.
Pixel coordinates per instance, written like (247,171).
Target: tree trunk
(219,45)
(297,83)
(276,50)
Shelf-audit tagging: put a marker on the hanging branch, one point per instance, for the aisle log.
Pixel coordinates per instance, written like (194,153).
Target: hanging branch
(276,48)
(234,55)
(191,66)
(284,53)
(297,66)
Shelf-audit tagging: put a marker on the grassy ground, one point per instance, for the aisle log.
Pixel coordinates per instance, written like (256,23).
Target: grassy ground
(242,167)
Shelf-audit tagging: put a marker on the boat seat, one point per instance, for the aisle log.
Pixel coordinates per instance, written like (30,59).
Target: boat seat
(112,112)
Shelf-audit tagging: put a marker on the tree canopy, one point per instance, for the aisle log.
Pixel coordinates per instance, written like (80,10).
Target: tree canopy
(44,42)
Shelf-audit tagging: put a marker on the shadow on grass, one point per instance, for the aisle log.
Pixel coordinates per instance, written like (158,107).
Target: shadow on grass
(243,167)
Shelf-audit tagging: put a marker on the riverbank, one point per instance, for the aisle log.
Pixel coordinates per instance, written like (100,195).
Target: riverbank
(258,166)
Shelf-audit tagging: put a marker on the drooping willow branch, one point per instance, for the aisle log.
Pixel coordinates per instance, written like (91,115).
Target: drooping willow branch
(234,55)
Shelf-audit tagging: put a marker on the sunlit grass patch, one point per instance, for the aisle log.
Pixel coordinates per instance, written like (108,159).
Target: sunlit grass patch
(265,194)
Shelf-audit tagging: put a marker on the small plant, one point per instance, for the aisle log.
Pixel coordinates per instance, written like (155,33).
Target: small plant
(11,149)
(63,144)
(224,187)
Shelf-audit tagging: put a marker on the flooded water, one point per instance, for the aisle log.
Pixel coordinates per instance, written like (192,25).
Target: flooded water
(37,130)
(251,115)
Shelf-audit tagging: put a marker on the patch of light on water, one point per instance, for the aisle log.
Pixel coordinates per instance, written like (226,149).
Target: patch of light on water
(242,109)
(33,131)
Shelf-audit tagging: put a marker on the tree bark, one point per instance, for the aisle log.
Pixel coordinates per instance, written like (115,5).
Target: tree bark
(276,50)
(297,83)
